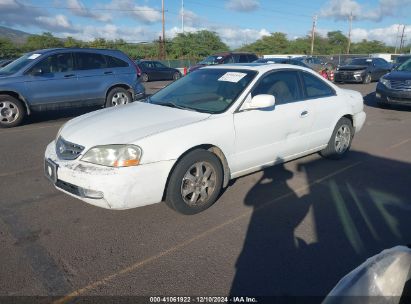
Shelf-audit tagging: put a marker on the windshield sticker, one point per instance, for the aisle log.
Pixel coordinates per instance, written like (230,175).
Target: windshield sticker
(34,56)
(232,77)
(219,57)
(369,60)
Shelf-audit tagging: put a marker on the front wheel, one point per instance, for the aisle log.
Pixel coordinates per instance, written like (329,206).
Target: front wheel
(367,79)
(340,141)
(12,111)
(118,96)
(195,182)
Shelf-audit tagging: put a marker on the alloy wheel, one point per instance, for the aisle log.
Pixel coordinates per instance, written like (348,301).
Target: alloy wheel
(9,112)
(342,139)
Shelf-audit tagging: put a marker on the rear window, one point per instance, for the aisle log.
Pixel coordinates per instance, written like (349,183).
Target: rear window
(315,87)
(114,62)
(90,61)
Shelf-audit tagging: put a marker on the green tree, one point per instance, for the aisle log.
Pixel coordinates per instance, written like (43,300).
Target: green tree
(43,41)
(71,42)
(8,49)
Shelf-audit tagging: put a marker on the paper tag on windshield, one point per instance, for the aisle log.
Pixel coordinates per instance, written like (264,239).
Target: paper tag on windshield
(219,57)
(34,56)
(232,77)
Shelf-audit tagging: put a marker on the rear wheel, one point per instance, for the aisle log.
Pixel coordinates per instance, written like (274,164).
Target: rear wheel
(176,76)
(12,111)
(195,182)
(118,96)
(340,141)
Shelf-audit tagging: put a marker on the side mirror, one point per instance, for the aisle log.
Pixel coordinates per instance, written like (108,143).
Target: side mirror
(261,101)
(36,72)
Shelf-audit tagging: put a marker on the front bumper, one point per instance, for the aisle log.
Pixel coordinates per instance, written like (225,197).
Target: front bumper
(390,96)
(359,120)
(345,76)
(120,188)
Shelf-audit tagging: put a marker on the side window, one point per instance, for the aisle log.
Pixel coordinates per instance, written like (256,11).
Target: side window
(114,62)
(58,63)
(236,58)
(159,65)
(243,58)
(228,59)
(252,57)
(315,87)
(90,61)
(283,85)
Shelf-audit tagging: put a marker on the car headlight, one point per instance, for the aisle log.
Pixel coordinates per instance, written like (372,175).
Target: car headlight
(114,155)
(59,131)
(385,82)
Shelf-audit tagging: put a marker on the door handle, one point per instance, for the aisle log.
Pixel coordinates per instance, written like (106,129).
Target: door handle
(304,114)
(69,75)
(108,72)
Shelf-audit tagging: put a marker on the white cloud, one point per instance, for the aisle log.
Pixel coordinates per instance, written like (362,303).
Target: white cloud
(384,34)
(143,13)
(243,5)
(77,8)
(191,19)
(58,22)
(341,9)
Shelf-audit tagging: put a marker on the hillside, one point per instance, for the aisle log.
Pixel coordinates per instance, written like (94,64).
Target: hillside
(16,36)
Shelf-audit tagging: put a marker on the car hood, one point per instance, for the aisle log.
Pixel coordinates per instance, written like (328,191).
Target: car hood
(349,67)
(398,75)
(126,124)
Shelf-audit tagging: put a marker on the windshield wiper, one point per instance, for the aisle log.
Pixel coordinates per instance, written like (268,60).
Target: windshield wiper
(174,105)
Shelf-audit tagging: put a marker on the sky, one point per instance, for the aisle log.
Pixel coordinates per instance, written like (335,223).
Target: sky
(237,22)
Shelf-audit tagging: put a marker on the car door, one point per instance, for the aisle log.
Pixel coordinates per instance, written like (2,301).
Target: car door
(163,71)
(52,82)
(265,136)
(94,76)
(324,106)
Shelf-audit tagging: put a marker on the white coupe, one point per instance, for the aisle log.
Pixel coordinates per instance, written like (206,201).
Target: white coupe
(184,143)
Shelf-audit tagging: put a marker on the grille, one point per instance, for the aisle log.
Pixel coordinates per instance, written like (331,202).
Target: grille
(67,150)
(401,85)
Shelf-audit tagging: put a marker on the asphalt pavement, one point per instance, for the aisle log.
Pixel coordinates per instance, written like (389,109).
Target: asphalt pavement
(293,229)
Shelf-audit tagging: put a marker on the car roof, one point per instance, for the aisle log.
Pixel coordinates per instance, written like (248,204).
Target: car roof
(44,51)
(259,67)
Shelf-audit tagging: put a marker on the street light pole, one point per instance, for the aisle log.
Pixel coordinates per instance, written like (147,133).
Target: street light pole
(163,48)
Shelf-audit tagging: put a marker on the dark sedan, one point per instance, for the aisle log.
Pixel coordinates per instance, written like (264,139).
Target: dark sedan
(155,70)
(362,70)
(395,87)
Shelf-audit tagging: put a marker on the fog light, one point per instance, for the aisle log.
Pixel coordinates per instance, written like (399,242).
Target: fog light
(91,193)
(378,95)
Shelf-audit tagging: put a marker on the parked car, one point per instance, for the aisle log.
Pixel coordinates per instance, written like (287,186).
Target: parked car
(327,74)
(400,60)
(64,78)
(155,70)
(362,70)
(189,139)
(316,63)
(395,87)
(226,57)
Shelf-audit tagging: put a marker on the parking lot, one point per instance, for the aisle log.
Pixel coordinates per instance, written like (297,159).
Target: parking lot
(294,229)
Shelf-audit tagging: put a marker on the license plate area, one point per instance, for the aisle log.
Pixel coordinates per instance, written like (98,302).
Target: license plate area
(50,170)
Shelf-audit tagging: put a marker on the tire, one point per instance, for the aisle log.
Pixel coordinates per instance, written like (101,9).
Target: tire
(176,76)
(12,111)
(367,79)
(340,141)
(189,190)
(118,96)
(144,77)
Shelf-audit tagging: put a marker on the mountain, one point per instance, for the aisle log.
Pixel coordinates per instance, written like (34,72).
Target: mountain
(18,37)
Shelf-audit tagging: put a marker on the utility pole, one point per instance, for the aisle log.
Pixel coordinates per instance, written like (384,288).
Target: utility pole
(349,35)
(402,38)
(182,16)
(163,48)
(313,34)
(396,38)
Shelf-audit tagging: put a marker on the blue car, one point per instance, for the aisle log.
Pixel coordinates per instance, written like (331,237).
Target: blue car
(66,78)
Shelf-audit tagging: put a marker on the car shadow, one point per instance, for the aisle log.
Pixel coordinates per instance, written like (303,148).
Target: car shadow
(301,243)
(56,115)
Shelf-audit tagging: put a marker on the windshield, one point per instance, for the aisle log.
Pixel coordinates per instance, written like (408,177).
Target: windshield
(361,61)
(18,64)
(406,66)
(211,60)
(207,90)
(402,59)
